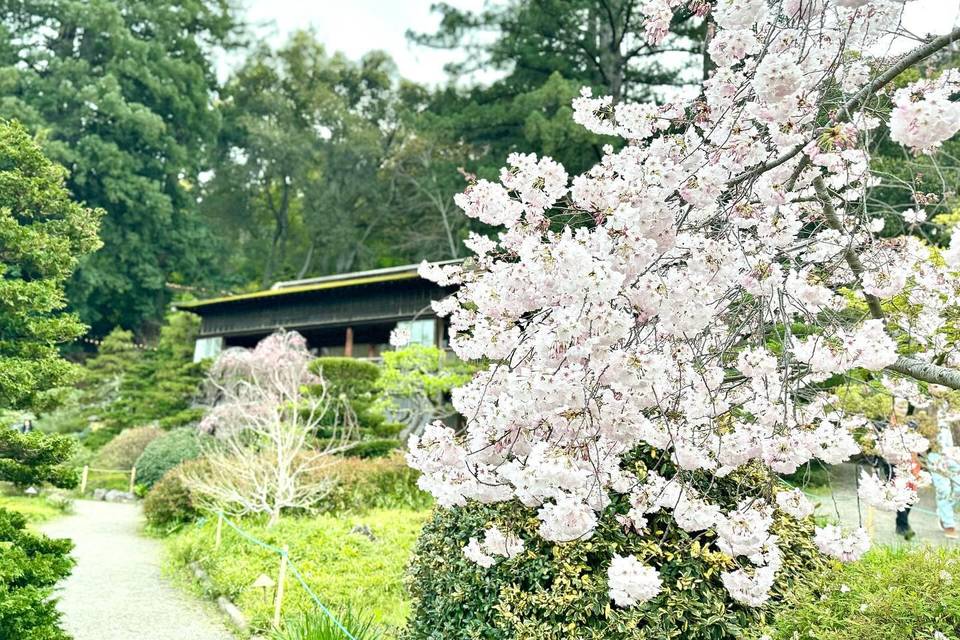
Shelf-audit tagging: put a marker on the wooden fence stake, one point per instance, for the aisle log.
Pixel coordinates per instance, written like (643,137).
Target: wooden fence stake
(83,480)
(281,577)
(133,478)
(219,535)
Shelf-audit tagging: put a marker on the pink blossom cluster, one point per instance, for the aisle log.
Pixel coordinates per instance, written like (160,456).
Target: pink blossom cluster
(256,381)
(667,320)
(924,116)
(632,582)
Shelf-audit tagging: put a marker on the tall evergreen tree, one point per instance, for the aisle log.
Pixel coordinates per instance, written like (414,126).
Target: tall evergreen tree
(121,91)
(42,236)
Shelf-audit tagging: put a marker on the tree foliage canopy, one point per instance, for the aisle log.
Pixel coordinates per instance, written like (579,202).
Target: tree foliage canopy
(43,235)
(121,92)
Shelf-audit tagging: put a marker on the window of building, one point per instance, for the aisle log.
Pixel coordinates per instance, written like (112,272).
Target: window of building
(423,332)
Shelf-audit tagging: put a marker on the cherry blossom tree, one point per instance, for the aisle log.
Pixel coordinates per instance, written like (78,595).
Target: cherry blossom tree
(268,406)
(700,292)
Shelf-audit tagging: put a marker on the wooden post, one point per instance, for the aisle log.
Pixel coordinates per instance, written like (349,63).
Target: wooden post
(281,577)
(348,343)
(83,480)
(869,526)
(133,478)
(218,537)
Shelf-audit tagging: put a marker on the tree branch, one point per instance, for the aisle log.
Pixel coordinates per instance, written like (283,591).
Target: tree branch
(853,260)
(913,367)
(917,55)
(927,372)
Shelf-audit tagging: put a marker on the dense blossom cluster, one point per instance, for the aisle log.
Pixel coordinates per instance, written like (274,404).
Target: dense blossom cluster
(652,301)
(495,543)
(631,582)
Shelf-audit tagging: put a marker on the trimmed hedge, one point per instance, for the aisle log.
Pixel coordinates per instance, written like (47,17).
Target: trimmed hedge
(167,451)
(353,383)
(559,591)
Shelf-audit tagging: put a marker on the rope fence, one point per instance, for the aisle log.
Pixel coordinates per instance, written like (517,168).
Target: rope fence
(285,565)
(85,476)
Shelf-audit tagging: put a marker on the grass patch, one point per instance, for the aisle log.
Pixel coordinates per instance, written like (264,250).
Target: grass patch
(344,566)
(891,594)
(36,510)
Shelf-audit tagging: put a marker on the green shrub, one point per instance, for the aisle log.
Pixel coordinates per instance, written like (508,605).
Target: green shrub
(891,594)
(559,591)
(352,385)
(123,451)
(96,387)
(376,448)
(167,451)
(31,566)
(375,483)
(170,502)
(317,625)
(354,560)
(162,385)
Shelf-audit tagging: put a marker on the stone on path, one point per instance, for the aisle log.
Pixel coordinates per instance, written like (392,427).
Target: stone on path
(116,591)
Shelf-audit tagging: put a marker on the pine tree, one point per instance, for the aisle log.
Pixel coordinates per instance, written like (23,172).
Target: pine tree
(43,234)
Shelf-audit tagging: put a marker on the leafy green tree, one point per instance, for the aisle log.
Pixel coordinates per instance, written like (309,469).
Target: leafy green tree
(122,90)
(598,43)
(43,234)
(415,384)
(297,176)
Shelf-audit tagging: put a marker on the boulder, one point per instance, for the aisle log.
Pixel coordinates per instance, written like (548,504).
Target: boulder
(115,495)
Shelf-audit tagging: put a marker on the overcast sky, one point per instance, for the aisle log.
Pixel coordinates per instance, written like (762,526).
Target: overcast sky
(357,26)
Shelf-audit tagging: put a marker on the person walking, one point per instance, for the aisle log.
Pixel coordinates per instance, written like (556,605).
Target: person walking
(944,462)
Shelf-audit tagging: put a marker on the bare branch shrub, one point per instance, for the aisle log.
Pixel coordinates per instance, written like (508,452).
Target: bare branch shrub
(268,407)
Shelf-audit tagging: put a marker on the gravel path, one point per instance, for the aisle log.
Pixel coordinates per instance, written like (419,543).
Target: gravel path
(840,503)
(116,591)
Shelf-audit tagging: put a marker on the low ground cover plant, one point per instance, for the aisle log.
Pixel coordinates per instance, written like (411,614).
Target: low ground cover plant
(356,561)
(891,594)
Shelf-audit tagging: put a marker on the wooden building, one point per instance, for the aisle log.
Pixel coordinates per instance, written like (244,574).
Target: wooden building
(349,314)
